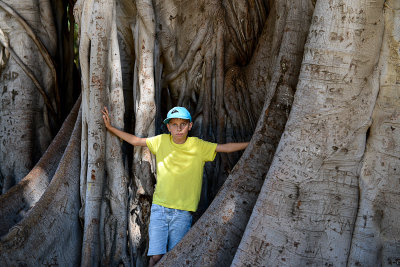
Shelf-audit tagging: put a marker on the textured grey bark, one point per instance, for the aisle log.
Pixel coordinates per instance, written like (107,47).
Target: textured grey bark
(51,234)
(115,202)
(25,113)
(95,48)
(330,194)
(376,235)
(144,91)
(20,199)
(306,210)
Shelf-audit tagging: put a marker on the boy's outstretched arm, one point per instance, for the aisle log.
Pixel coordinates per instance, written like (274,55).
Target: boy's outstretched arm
(231,147)
(130,138)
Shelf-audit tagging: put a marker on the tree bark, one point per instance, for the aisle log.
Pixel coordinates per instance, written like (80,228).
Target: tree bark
(51,234)
(330,192)
(25,131)
(305,211)
(94,48)
(375,240)
(142,187)
(115,202)
(19,200)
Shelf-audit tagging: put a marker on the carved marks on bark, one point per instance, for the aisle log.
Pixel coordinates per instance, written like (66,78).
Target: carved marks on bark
(9,76)
(4,78)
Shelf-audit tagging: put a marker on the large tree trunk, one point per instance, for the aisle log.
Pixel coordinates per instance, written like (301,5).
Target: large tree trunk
(328,195)
(20,199)
(50,234)
(104,239)
(306,210)
(27,85)
(376,235)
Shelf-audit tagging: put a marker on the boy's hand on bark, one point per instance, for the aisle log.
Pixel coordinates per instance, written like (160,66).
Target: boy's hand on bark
(106,117)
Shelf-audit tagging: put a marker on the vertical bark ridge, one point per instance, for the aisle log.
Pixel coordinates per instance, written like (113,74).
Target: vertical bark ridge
(145,113)
(20,199)
(305,211)
(376,236)
(48,236)
(100,25)
(115,201)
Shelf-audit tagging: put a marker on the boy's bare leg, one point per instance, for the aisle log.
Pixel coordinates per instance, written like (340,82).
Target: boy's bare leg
(154,259)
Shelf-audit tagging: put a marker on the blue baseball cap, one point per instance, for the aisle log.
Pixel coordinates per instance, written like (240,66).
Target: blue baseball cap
(178,113)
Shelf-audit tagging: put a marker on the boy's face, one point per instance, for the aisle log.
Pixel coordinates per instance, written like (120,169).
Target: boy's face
(179,129)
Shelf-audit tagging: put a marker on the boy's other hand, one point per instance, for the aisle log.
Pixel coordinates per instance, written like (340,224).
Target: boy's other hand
(106,117)
(231,147)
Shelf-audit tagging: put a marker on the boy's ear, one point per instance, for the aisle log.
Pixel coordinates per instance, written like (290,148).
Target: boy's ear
(190,126)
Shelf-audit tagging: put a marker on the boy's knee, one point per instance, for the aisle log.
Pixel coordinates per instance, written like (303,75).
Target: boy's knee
(154,259)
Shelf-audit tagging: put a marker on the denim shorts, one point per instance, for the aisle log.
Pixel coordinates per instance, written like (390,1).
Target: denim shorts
(167,227)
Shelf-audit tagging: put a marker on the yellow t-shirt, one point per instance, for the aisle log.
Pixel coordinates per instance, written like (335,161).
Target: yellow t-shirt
(179,170)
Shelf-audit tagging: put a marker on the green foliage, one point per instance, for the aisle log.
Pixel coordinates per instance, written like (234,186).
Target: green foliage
(76,45)
(70,19)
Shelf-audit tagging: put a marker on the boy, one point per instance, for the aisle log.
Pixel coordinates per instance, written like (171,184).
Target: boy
(180,161)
